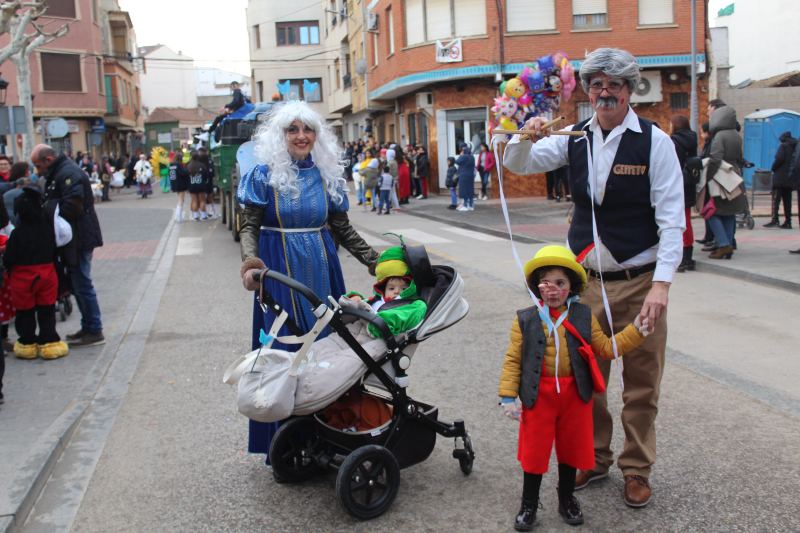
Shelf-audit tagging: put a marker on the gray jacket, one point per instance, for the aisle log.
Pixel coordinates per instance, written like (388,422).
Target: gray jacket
(726,145)
(533,346)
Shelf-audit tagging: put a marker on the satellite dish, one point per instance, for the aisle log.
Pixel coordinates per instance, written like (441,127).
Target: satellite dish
(57,128)
(361,67)
(643,87)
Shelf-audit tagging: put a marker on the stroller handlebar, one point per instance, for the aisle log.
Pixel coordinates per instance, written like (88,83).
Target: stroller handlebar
(289,282)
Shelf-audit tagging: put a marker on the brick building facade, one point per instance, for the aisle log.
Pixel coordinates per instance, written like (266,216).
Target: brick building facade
(441,104)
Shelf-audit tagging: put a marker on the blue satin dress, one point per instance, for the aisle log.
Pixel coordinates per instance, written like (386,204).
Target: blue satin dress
(308,256)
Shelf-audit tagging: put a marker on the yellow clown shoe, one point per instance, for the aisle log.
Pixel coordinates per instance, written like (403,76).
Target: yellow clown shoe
(26,351)
(53,350)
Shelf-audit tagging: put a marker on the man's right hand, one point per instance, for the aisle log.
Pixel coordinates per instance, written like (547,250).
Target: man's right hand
(535,124)
(249,279)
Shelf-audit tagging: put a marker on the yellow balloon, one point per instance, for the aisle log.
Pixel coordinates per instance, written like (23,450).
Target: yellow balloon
(515,88)
(507,124)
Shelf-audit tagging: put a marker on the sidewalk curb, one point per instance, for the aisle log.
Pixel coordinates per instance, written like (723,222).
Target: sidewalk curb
(474,227)
(702,266)
(735,273)
(49,448)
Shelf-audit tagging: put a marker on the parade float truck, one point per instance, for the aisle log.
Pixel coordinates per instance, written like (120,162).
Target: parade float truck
(234,133)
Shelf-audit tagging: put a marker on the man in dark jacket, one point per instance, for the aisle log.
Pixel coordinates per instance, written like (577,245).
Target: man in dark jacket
(68,187)
(423,168)
(782,183)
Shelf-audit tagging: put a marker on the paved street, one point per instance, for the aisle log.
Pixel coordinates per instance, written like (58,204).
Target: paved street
(152,440)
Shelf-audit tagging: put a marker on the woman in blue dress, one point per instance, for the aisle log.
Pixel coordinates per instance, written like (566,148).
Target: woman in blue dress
(292,204)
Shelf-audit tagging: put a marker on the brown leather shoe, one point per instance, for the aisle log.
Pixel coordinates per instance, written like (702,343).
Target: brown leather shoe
(637,491)
(584,477)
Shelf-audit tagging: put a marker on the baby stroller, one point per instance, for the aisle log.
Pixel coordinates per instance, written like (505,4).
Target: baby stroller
(369,462)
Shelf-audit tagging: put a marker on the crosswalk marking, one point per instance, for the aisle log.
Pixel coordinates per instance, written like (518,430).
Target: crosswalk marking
(189,246)
(471,234)
(374,241)
(421,236)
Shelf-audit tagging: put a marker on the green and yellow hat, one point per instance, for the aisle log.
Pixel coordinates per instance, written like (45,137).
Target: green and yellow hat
(392,264)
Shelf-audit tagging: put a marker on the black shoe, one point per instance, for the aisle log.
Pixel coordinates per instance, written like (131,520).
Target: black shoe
(87,339)
(2,400)
(526,517)
(771,224)
(76,336)
(704,241)
(710,247)
(570,511)
(374,209)
(786,225)
(451,206)
(795,251)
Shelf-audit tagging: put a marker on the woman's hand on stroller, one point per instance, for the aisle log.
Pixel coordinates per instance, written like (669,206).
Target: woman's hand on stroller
(511,408)
(250,273)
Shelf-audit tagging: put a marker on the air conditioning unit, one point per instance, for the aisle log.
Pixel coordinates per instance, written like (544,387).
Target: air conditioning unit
(649,88)
(425,101)
(372,22)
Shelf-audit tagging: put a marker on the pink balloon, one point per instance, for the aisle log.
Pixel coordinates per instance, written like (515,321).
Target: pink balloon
(525,99)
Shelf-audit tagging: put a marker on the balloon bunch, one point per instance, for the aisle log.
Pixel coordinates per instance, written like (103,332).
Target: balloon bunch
(537,89)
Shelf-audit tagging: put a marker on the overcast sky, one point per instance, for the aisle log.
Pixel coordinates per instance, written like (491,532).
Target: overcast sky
(212,32)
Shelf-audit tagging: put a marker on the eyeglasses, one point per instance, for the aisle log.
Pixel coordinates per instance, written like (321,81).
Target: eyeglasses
(295,130)
(613,87)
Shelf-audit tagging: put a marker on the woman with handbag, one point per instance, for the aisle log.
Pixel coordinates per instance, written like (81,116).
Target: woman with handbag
(726,146)
(293,202)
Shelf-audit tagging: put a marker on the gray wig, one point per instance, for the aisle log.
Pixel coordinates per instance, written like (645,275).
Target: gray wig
(613,62)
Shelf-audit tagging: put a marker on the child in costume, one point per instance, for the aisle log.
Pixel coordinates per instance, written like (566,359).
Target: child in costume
(395,297)
(30,260)
(550,367)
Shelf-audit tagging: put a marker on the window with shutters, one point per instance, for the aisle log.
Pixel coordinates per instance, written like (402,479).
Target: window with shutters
(530,15)
(390,27)
(61,72)
(589,14)
(256,36)
(309,89)
(61,8)
(656,12)
(431,20)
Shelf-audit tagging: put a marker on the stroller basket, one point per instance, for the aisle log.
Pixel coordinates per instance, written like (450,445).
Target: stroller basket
(368,463)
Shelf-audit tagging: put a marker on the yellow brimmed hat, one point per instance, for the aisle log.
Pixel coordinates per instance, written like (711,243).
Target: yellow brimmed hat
(554,255)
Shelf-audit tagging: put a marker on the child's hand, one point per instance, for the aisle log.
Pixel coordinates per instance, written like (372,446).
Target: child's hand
(511,408)
(355,297)
(643,325)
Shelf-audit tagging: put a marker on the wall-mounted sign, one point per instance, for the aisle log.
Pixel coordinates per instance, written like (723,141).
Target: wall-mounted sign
(164,138)
(450,52)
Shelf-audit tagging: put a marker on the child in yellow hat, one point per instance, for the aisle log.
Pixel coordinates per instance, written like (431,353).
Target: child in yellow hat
(550,366)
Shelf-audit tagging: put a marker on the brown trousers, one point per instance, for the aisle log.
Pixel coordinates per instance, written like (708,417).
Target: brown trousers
(642,371)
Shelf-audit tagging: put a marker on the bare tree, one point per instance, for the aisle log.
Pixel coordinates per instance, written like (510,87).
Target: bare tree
(20,21)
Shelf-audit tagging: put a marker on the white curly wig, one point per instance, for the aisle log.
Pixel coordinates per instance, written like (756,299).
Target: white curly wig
(271,148)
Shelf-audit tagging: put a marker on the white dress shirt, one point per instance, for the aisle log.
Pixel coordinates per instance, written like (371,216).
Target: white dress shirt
(666,187)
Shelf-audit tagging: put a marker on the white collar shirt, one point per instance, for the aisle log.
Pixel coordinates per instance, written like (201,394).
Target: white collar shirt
(666,187)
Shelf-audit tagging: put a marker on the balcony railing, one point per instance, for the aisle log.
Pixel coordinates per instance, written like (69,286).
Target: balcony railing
(113,106)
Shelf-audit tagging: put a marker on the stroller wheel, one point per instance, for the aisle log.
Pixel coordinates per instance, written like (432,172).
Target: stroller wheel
(465,455)
(291,451)
(368,481)
(750,222)
(67,306)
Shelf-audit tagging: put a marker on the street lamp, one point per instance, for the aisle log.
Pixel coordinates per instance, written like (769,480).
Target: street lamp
(3,88)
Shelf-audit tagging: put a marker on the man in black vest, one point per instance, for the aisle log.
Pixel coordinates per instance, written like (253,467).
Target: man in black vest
(625,179)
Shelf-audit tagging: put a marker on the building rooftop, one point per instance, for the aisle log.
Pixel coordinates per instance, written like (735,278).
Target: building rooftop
(180,114)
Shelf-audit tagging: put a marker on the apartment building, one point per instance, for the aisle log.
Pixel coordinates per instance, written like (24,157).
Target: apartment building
(86,77)
(287,54)
(441,100)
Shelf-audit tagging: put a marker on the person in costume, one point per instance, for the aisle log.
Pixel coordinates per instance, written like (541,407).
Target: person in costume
(636,200)
(550,369)
(293,201)
(394,285)
(178,182)
(29,258)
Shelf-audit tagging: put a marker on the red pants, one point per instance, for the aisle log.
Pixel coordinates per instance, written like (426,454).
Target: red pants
(560,417)
(688,234)
(33,285)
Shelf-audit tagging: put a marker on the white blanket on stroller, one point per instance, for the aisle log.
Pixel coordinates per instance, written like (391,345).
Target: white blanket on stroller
(331,369)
